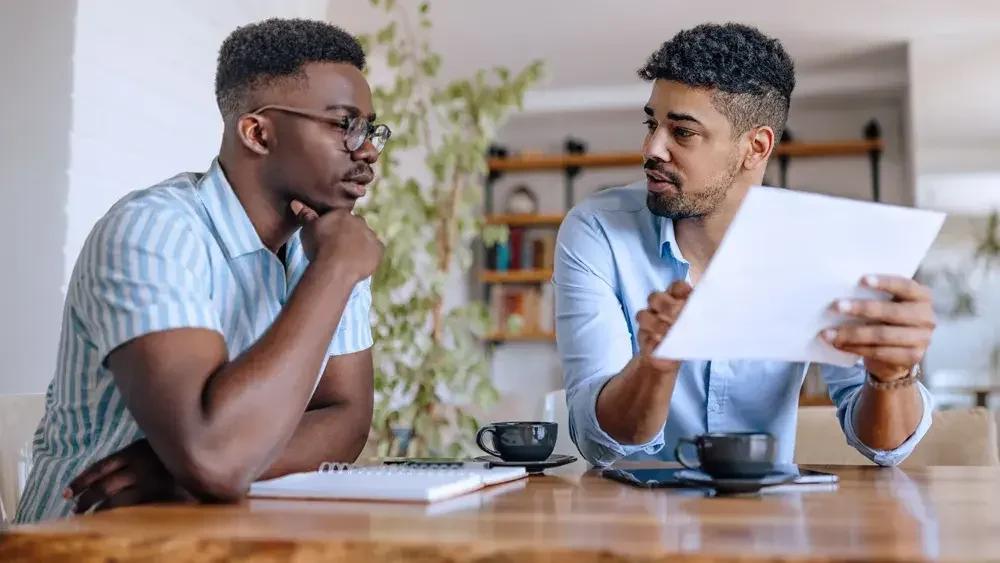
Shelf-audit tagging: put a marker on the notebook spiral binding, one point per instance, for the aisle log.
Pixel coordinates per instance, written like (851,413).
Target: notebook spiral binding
(401,469)
(327,467)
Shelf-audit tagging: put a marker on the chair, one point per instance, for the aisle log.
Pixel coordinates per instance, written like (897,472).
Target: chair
(956,437)
(19,417)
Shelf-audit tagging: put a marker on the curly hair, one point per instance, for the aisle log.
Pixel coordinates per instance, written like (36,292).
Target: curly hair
(258,54)
(751,74)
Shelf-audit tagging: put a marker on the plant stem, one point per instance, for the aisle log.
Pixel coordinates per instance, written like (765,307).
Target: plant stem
(422,108)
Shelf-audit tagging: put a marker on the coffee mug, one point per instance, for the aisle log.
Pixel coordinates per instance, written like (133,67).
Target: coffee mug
(731,454)
(519,441)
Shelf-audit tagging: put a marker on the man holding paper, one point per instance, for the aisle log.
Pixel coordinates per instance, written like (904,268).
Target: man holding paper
(627,259)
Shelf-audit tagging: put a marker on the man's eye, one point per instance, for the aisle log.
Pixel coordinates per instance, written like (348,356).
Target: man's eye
(681,132)
(650,124)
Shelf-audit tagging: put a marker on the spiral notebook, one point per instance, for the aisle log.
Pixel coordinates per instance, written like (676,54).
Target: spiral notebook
(386,483)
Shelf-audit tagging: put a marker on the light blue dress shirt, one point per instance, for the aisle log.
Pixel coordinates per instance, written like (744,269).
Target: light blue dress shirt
(611,253)
(180,254)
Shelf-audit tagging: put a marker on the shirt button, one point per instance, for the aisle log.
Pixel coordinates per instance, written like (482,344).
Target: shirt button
(714,408)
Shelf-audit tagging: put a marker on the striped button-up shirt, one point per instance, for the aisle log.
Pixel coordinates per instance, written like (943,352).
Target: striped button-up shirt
(180,254)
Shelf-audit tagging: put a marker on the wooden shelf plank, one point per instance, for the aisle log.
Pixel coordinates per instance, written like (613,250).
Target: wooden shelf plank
(852,147)
(528,336)
(830,148)
(516,276)
(525,220)
(558,162)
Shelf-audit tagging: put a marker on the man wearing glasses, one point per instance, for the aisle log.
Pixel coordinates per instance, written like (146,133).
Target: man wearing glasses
(216,325)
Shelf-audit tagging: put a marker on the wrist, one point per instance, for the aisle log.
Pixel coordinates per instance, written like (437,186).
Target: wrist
(894,380)
(656,367)
(336,270)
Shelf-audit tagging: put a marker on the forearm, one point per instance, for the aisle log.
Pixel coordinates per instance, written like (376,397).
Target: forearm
(634,404)
(253,404)
(336,433)
(885,418)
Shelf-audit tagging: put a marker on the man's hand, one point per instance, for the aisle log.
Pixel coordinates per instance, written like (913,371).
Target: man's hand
(634,404)
(339,235)
(128,477)
(893,335)
(655,322)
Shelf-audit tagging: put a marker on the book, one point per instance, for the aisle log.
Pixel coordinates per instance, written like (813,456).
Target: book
(405,483)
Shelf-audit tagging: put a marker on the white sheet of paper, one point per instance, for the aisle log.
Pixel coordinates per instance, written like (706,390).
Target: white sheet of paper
(786,259)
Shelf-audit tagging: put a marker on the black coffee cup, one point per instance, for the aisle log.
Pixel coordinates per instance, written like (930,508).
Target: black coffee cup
(739,455)
(519,441)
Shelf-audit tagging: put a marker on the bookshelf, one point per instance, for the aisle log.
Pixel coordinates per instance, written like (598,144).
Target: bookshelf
(539,163)
(536,271)
(534,275)
(524,220)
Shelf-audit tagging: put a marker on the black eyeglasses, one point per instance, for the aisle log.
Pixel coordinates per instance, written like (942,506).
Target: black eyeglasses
(357,130)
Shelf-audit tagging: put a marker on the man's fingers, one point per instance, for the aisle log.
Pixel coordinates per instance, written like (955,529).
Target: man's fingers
(303,212)
(877,335)
(894,355)
(651,324)
(665,304)
(129,496)
(911,314)
(101,491)
(94,473)
(901,288)
(680,289)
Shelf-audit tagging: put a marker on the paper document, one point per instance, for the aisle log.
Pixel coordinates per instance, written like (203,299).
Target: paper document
(785,260)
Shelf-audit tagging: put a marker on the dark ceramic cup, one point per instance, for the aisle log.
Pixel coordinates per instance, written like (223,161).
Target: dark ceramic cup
(519,441)
(729,455)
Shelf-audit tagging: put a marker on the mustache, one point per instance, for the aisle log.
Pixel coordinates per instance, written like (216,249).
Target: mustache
(362,170)
(672,177)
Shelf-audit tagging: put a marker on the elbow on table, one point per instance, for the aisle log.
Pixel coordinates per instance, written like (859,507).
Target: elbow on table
(214,476)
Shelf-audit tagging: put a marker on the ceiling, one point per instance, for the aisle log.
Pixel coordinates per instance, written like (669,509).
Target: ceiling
(600,44)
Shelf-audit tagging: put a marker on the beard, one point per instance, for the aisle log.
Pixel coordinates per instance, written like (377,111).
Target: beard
(682,205)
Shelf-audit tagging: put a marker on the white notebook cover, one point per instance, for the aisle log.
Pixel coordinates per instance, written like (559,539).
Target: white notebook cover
(387,483)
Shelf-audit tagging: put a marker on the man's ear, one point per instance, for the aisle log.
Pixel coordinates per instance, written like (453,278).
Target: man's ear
(761,145)
(254,132)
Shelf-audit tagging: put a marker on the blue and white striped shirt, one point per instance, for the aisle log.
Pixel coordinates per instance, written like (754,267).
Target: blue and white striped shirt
(182,253)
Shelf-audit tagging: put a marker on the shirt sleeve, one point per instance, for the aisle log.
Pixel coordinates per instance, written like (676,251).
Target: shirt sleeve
(354,333)
(592,334)
(142,270)
(844,385)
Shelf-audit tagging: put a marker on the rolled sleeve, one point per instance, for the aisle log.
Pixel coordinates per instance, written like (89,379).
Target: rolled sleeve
(592,334)
(354,333)
(844,386)
(143,270)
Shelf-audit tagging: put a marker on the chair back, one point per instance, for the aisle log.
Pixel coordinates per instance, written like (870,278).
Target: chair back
(19,418)
(956,437)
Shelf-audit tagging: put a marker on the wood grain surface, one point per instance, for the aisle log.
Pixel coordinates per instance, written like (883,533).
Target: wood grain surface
(874,514)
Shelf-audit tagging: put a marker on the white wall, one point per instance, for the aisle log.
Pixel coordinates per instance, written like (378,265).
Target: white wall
(143,95)
(531,369)
(36,50)
(953,85)
(118,100)
(956,146)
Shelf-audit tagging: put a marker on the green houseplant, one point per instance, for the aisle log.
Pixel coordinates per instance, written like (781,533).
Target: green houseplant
(429,216)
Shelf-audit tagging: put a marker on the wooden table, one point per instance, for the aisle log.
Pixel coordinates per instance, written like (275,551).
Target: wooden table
(876,514)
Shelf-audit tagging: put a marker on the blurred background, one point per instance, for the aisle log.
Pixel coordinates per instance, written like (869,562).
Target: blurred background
(895,101)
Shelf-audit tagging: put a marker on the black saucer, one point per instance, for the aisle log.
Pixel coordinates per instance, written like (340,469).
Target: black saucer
(734,485)
(554,460)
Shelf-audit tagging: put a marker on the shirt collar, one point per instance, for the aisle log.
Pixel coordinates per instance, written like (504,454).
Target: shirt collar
(668,241)
(232,224)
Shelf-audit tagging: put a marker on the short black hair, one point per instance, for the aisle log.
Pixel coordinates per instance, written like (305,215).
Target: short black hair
(276,48)
(751,73)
